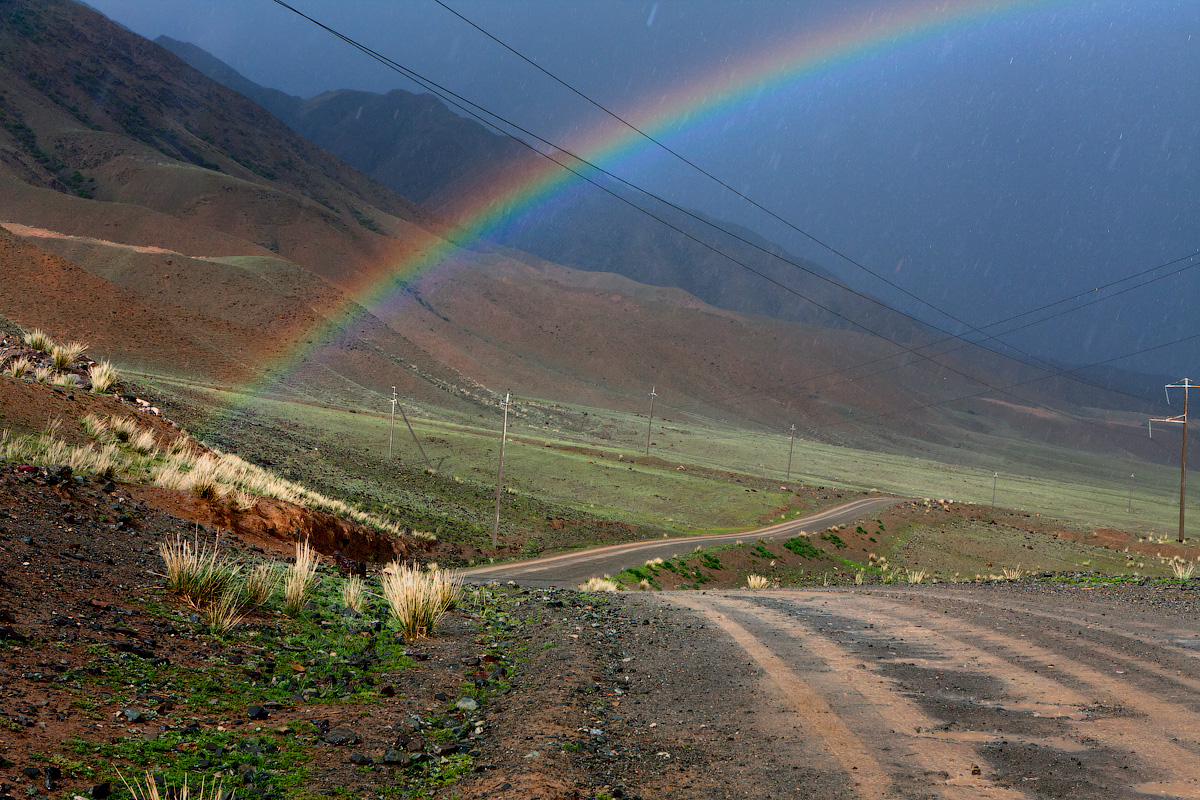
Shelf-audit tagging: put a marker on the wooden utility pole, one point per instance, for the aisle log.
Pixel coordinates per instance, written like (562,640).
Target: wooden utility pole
(1130,509)
(500,471)
(392,430)
(995,477)
(650,423)
(791,444)
(1186,384)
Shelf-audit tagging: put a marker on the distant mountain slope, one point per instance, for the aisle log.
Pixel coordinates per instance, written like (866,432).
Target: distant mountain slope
(418,147)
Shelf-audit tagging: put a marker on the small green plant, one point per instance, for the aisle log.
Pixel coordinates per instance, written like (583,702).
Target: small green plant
(63,356)
(103,375)
(299,579)
(834,539)
(39,340)
(801,546)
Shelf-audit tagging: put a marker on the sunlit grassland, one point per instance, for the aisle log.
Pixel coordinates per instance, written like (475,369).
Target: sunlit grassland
(1032,477)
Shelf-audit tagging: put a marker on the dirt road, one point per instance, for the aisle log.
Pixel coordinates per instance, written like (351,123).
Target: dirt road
(571,569)
(1009,691)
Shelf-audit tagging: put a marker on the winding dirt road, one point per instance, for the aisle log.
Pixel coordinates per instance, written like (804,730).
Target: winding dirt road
(571,569)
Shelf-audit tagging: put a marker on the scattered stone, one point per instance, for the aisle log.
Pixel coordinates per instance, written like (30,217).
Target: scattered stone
(340,737)
(467,704)
(100,790)
(396,758)
(257,712)
(360,759)
(133,716)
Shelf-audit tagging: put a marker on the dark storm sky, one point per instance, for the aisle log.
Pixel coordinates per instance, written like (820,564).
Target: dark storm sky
(991,167)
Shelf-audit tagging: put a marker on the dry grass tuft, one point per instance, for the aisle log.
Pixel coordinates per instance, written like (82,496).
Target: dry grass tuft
(18,368)
(195,572)
(103,376)
(600,585)
(261,583)
(43,374)
(147,789)
(1012,573)
(298,582)
(353,596)
(1183,571)
(39,340)
(757,582)
(63,356)
(419,599)
(224,611)
(916,576)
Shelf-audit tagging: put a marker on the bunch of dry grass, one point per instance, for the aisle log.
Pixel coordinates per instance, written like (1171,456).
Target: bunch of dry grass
(1183,571)
(94,427)
(298,582)
(39,340)
(604,584)
(224,611)
(43,374)
(757,582)
(66,380)
(1013,573)
(195,572)
(353,596)
(261,583)
(18,367)
(916,576)
(63,356)
(147,789)
(418,599)
(102,376)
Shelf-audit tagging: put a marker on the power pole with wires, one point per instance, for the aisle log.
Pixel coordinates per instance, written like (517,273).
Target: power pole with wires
(1186,384)
(392,430)
(791,444)
(650,423)
(500,472)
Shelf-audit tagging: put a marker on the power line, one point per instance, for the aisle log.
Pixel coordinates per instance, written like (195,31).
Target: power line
(825,245)
(461,102)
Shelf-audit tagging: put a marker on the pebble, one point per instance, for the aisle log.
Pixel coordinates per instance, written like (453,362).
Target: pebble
(340,736)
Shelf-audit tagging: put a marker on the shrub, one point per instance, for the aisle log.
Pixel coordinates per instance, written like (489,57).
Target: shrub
(102,376)
(298,581)
(801,546)
(417,599)
(63,356)
(38,339)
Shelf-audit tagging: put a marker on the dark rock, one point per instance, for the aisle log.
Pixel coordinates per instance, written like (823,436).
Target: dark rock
(340,737)
(100,790)
(445,748)
(109,487)
(133,716)
(257,712)
(360,759)
(440,696)
(396,758)
(32,773)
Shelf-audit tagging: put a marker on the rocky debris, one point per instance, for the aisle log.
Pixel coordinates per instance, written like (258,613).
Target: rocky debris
(340,736)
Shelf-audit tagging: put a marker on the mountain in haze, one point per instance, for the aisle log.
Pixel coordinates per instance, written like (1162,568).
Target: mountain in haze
(422,150)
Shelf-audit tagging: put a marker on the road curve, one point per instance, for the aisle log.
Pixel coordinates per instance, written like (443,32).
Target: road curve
(571,569)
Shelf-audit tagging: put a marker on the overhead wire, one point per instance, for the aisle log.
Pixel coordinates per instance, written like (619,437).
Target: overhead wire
(462,103)
(789,224)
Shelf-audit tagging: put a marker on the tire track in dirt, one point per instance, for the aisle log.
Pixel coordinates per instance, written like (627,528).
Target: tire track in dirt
(854,715)
(1143,723)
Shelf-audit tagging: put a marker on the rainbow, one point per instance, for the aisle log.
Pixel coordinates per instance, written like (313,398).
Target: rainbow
(702,100)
